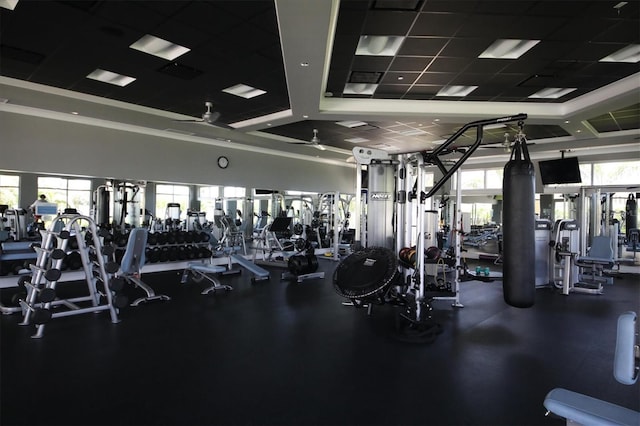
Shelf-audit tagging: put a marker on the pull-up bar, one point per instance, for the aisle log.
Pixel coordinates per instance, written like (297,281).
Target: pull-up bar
(433,157)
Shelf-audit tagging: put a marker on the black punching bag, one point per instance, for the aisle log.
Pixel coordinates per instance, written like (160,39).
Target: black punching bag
(631,217)
(518,233)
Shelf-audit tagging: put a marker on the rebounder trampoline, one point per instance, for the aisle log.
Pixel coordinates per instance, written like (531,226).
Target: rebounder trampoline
(366,274)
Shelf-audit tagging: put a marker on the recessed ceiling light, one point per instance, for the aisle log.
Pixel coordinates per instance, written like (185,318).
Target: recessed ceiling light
(269,124)
(359,89)
(8,4)
(244,91)
(379,45)
(456,91)
(567,121)
(305,116)
(74,112)
(356,140)
(351,124)
(158,47)
(629,54)
(508,49)
(400,77)
(304,64)
(552,93)
(111,77)
(435,120)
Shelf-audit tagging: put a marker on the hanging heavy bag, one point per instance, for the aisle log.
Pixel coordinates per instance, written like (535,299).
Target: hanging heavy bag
(631,217)
(518,188)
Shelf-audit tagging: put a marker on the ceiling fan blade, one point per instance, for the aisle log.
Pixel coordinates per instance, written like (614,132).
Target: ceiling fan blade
(189,121)
(220,125)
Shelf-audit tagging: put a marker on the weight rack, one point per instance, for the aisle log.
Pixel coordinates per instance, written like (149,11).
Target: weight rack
(41,297)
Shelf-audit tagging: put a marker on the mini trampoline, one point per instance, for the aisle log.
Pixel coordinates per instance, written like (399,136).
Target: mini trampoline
(366,273)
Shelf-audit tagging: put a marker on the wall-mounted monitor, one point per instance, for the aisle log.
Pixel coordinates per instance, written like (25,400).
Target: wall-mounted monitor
(563,170)
(45,209)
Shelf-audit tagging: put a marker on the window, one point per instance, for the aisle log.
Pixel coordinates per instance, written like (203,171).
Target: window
(619,173)
(166,194)
(472,179)
(10,190)
(233,192)
(207,196)
(494,178)
(67,193)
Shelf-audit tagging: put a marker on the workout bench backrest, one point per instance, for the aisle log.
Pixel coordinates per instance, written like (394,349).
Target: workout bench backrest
(133,258)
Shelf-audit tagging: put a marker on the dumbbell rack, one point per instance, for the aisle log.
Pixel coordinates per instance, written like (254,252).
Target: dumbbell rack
(40,299)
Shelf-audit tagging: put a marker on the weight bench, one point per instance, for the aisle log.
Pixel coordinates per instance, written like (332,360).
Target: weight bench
(201,271)
(582,409)
(260,274)
(132,262)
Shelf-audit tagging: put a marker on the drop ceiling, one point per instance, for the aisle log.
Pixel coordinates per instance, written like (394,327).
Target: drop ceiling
(302,55)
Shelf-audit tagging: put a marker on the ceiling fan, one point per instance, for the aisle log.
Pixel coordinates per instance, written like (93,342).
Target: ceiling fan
(314,142)
(208,117)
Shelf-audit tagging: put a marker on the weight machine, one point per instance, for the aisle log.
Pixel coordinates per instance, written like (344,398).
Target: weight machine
(397,217)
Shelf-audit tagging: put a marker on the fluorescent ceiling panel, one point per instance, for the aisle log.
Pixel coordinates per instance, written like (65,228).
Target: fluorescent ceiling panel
(158,47)
(351,124)
(551,93)
(356,140)
(111,77)
(508,49)
(244,91)
(359,89)
(456,91)
(413,132)
(379,45)
(629,54)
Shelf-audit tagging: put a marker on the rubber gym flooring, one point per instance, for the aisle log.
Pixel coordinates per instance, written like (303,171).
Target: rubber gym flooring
(279,353)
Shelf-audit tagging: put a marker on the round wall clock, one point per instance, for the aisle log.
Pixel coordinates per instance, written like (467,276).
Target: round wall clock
(223,162)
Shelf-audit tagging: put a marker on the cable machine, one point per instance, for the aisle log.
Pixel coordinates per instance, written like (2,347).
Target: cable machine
(396,200)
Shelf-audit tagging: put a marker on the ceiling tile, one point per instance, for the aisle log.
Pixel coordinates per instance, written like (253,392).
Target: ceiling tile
(410,63)
(388,23)
(466,47)
(435,78)
(371,63)
(400,78)
(437,24)
(414,46)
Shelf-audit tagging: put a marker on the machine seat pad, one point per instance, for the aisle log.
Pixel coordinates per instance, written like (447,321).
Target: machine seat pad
(586,410)
(597,260)
(207,269)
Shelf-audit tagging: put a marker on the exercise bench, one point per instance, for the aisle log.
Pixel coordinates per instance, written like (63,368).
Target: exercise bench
(581,409)
(131,265)
(202,271)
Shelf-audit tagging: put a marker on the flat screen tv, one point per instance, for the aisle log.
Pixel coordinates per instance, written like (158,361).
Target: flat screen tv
(563,170)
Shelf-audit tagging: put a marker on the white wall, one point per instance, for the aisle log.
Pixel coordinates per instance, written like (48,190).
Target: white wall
(41,145)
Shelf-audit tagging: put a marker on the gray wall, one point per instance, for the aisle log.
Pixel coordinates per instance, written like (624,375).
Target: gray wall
(41,145)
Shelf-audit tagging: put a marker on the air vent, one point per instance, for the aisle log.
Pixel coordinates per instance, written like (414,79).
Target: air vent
(9,52)
(175,69)
(365,77)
